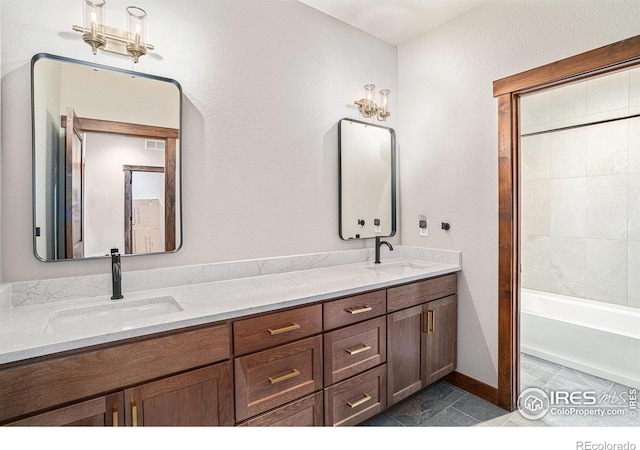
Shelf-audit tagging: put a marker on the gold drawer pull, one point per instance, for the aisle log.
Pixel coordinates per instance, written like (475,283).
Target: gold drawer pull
(358,310)
(115,416)
(294,326)
(134,413)
(294,373)
(432,326)
(429,326)
(357,403)
(355,351)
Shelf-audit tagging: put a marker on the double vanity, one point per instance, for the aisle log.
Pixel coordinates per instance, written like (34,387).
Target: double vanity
(329,346)
(327,339)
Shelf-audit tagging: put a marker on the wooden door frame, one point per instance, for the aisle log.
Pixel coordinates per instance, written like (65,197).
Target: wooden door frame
(508,90)
(72,129)
(170,137)
(128,202)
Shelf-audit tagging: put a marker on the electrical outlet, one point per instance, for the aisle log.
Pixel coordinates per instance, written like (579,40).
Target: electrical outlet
(423,225)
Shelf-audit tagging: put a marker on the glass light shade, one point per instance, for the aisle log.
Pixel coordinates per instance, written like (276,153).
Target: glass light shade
(136,24)
(370,94)
(384,99)
(94,16)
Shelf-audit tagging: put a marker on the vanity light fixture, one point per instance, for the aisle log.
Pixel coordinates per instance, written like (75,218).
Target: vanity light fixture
(100,36)
(368,107)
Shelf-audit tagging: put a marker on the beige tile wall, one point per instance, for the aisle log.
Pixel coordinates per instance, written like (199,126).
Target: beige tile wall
(581,190)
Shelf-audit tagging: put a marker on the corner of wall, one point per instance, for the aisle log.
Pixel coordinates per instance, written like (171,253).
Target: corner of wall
(0,156)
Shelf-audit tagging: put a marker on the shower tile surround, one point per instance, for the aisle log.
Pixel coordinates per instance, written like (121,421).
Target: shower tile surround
(581,190)
(208,293)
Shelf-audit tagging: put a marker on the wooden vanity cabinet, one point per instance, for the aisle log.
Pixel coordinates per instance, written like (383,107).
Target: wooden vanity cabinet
(106,411)
(332,363)
(421,339)
(85,387)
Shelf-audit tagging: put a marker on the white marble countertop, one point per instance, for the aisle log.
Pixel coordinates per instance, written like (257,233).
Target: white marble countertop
(24,331)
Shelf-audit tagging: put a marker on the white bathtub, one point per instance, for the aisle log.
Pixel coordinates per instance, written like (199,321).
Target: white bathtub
(594,337)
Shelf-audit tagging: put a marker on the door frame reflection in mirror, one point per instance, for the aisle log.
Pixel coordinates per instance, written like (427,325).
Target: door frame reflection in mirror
(380,138)
(143,129)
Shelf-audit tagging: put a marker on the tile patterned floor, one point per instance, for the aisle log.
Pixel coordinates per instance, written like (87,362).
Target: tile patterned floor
(444,405)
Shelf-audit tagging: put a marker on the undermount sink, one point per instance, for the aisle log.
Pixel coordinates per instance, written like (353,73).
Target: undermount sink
(112,317)
(400,268)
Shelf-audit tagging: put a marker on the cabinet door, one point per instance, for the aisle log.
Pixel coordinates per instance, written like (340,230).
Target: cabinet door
(441,338)
(198,398)
(100,412)
(405,344)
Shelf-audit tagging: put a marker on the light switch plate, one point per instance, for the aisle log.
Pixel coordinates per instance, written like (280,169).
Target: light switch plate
(424,231)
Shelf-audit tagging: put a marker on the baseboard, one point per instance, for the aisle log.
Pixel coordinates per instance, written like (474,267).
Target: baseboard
(475,387)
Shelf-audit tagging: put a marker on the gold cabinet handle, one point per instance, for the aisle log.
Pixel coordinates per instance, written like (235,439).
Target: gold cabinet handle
(294,373)
(359,402)
(293,326)
(355,351)
(115,415)
(432,327)
(134,413)
(358,310)
(428,326)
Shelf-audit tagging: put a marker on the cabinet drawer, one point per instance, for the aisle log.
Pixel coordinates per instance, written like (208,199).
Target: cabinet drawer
(420,292)
(354,309)
(352,350)
(257,333)
(356,399)
(273,377)
(306,412)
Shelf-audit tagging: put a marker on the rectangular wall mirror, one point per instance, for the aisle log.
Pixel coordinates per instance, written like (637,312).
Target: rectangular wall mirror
(106,160)
(367,158)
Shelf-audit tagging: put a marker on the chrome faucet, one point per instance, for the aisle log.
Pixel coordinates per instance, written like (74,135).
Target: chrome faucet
(379,244)
(116,275)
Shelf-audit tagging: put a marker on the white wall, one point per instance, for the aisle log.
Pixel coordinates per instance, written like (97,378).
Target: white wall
(0,154)
(104,186)
(265,83)
(448,143)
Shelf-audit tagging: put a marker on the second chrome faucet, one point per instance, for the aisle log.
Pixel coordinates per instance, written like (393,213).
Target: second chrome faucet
(379,244)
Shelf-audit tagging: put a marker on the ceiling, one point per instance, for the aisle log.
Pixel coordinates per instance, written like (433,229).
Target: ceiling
(394,21)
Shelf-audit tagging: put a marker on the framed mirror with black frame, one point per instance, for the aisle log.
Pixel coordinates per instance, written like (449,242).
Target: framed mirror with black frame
(106,160)
(367,174)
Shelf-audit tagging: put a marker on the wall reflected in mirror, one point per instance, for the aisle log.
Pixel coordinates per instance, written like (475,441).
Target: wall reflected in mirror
(367,158)
(106,161)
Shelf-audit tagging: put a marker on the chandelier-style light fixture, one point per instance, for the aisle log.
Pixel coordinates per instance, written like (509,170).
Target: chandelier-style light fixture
(100,36)
(368,107)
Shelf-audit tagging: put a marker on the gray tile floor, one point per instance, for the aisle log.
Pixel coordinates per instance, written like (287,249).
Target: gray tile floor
(444,405)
